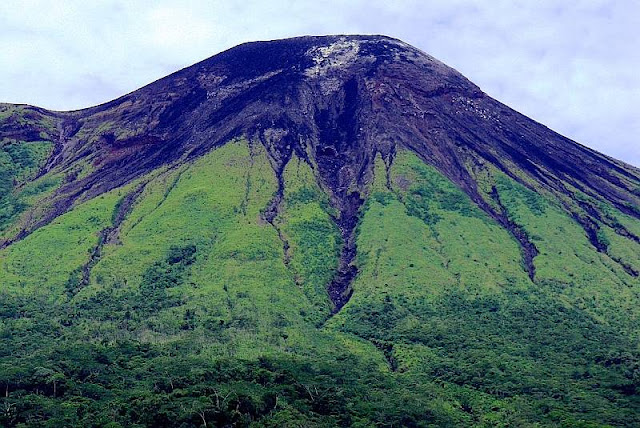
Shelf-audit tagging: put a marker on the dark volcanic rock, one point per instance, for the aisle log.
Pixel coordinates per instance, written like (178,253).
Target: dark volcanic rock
(336,102)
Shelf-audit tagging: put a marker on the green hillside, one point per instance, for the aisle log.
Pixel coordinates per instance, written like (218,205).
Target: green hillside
(173,301)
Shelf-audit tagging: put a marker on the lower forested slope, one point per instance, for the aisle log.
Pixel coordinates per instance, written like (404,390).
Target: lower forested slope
(197,295)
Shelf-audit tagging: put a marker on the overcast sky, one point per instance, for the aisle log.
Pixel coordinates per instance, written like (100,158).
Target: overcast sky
(572,65)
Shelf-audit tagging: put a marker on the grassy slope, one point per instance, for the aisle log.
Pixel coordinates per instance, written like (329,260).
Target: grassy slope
(42,262)
(568,264)
(196,312)
(239,282)
(19,164)
(442,292)
(312,236)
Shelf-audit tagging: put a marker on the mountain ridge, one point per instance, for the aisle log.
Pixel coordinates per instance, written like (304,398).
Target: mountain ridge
(308,209)
(325,60)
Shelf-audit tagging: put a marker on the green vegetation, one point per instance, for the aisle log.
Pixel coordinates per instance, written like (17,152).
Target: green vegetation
(313,238)
(442,294)
(568,265)
(196,310)
(43,261)
(19,162)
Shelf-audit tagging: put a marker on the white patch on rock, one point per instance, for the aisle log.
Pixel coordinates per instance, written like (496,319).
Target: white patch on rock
(335,56)
(216,90)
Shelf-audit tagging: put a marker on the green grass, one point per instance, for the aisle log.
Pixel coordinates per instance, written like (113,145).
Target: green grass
(196,312)
(238,284)
(26,159)
(568,264)
(443,294)
(42,262)
(313,238)
(19,162)
(214,205)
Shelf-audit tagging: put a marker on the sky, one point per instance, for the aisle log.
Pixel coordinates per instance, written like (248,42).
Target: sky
(573,66)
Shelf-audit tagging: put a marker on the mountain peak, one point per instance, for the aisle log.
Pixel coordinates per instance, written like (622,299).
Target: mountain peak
(335,101)
(330,229)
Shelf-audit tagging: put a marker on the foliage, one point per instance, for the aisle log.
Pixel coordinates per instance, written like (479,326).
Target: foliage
(313,238)
(19,162)
(200,311)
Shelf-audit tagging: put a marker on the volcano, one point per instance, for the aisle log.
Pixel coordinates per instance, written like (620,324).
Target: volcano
(317,231)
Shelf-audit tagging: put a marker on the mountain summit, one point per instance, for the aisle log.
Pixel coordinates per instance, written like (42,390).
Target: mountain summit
(336,230)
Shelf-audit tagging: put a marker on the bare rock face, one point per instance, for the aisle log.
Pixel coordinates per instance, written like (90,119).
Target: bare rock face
(336,102)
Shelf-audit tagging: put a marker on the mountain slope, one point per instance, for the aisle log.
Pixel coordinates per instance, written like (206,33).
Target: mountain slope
(314,231)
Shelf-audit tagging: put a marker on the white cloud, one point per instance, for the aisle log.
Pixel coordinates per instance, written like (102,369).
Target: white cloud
(570,65)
